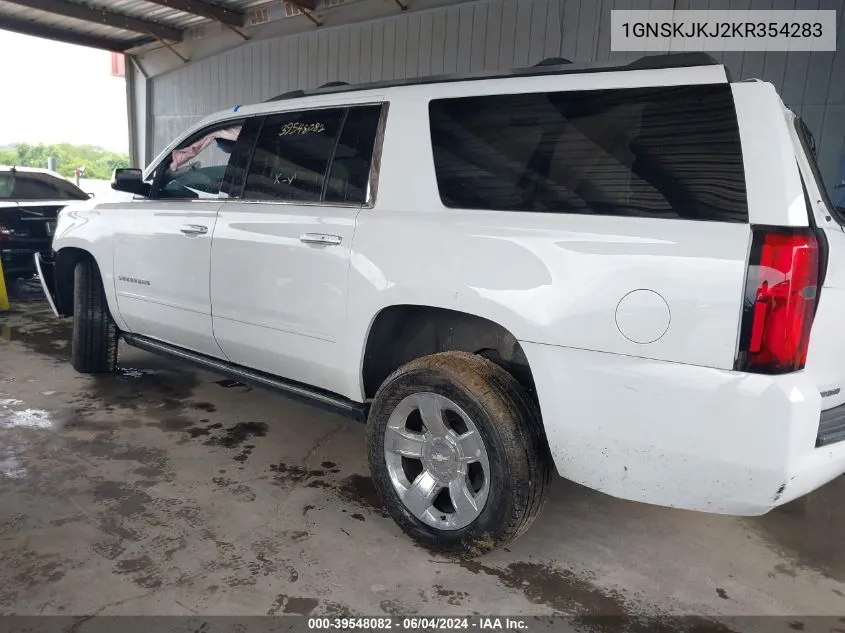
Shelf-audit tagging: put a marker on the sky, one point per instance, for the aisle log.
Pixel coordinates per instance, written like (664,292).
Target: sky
(54,93)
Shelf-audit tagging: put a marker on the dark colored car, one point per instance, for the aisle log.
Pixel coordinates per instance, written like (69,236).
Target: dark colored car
(30,201)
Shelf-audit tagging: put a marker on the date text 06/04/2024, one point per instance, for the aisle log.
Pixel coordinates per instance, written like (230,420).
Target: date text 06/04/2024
(417,624)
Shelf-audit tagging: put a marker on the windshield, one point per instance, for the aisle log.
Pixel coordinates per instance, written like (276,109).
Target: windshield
(16,185)
(808,143)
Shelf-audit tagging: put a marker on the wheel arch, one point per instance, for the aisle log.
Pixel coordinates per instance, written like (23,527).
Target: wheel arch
(480,417)
(65,263)
(401,333)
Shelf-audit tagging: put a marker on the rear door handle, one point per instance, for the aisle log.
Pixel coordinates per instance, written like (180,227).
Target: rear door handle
(194,229)
(320,238)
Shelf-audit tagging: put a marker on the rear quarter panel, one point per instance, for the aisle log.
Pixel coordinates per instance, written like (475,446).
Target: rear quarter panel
(551,279)
(772,179)
(826,354)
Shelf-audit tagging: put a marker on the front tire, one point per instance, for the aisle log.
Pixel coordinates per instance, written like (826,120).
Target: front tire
(94,341)
(457,451)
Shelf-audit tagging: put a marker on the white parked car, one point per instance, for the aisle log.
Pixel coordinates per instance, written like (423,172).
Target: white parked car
(630,274)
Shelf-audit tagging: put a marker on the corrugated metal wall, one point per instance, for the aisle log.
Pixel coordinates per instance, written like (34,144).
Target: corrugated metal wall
(484,35)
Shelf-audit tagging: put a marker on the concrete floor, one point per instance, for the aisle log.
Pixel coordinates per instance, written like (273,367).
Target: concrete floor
(165,490)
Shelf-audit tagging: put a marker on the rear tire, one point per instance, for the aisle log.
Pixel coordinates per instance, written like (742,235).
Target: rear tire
(504,477)
(94,341)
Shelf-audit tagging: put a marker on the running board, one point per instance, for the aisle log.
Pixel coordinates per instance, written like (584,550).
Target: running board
(294,390)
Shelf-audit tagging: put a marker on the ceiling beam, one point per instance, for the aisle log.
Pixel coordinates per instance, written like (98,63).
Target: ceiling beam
(305,7)
(205,10)
(100,16)
(28,27)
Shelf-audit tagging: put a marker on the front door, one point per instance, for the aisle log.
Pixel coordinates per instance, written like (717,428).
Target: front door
(280,261)
(162,250)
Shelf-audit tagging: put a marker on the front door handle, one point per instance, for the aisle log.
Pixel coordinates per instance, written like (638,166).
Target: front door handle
(194,229)
(320,238)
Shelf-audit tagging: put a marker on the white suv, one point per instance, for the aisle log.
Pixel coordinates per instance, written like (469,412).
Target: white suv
(630,273)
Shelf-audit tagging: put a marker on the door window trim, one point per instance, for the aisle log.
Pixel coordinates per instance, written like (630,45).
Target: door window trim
(343,119)
(252,125)
(375,162)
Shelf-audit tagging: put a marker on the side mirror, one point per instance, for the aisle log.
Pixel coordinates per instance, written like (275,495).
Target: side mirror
(129,180)
(90,194)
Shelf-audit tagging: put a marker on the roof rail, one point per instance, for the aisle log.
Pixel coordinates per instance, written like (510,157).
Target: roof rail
(553,61)
(552,66)
(288,95)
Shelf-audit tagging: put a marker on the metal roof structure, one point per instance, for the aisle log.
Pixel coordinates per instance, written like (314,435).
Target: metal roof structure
(120,25)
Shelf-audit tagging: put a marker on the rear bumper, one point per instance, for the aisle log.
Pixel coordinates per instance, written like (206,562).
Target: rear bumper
(683,436)
(45,269)
(831,426)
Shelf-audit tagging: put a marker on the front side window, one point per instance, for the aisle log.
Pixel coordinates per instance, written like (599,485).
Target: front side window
(292,156)
(196,168)
(666,152)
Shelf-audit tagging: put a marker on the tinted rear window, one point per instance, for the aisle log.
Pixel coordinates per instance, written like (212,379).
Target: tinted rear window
(647,152)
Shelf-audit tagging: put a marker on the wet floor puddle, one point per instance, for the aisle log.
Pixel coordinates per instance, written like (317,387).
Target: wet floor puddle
(162,397)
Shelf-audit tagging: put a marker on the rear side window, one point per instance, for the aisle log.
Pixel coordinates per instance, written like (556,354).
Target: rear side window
(666,152)
(292,156)
(350,170)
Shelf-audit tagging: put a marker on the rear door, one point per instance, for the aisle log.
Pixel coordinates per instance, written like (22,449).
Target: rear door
(826,356)
(281,255)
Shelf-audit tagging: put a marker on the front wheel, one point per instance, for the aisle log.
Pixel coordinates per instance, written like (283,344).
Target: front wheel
(457,451)
(94,341)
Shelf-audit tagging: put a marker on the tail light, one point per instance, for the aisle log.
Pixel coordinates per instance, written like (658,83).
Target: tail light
(6,233)
(780,300)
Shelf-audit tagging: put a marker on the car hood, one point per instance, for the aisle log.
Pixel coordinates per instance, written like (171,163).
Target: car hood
(26,204)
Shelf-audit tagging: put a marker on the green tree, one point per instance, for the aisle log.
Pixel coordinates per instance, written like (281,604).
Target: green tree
(98,163)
